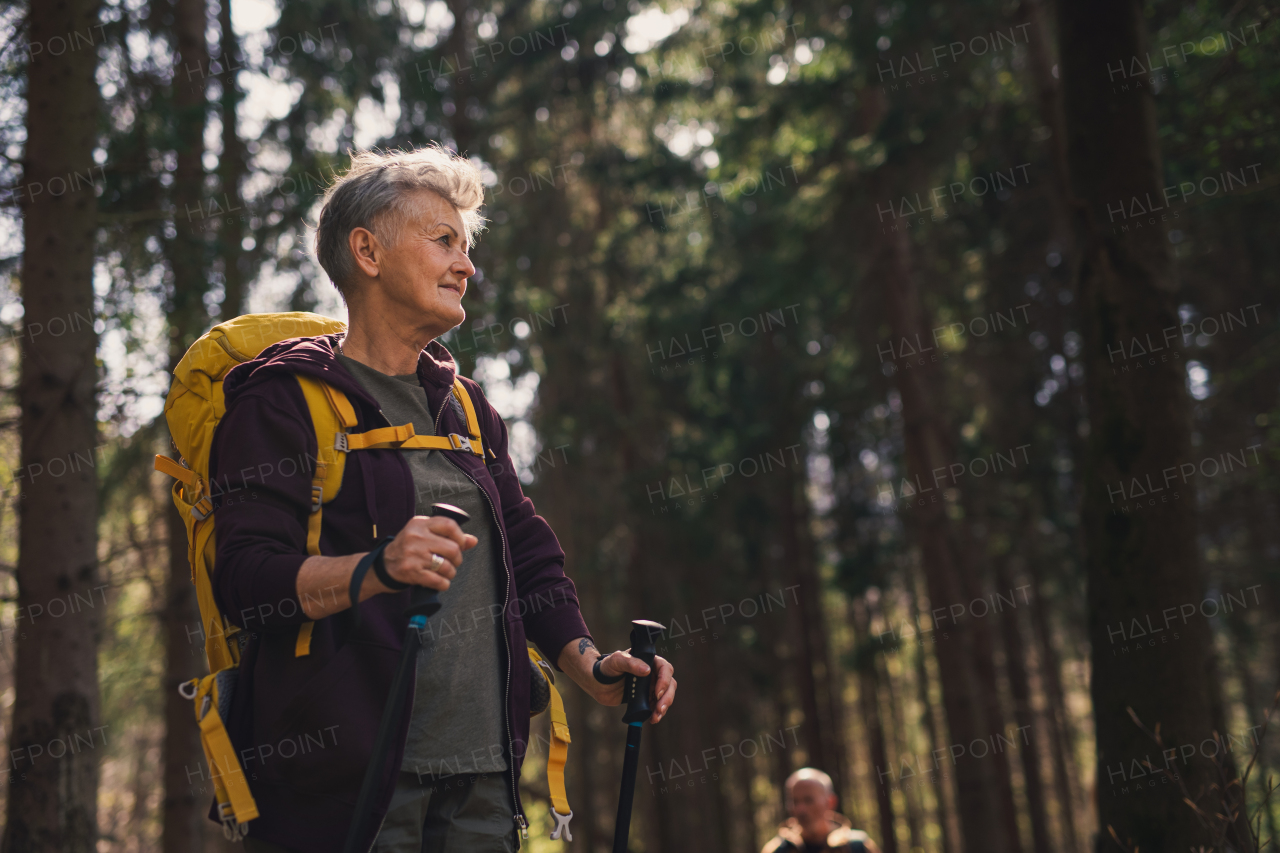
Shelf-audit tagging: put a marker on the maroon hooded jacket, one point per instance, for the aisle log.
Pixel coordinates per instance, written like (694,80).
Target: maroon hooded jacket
(304,726)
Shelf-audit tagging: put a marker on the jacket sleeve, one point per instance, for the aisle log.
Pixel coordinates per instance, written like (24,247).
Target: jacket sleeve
(548,600)
(260,472)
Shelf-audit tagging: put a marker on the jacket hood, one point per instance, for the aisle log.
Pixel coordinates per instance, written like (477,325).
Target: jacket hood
(318,357)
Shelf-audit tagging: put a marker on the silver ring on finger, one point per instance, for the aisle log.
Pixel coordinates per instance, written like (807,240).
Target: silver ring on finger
(436,562)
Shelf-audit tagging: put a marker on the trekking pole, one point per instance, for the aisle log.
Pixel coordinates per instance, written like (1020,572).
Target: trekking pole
(423,602)
(636,694)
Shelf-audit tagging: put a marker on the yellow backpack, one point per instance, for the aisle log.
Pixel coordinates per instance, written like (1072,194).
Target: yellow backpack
(193,409)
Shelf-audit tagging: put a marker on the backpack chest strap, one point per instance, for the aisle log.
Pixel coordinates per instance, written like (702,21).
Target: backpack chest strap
(403,437)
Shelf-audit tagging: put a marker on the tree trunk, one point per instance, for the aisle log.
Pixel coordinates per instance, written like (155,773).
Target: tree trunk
(983,789)
(232,168)
(940,788)
(1061,733)
(823,708)
(458,46)
(985,670)
(900,738)
(185,822)
(1138,563)
(869,699)
(911,800)
(56,737)
(1023,714)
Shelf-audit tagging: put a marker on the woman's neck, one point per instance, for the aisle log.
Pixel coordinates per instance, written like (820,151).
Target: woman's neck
(383,344)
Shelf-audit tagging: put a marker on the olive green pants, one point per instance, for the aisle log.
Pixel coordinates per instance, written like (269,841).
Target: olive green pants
(453,814)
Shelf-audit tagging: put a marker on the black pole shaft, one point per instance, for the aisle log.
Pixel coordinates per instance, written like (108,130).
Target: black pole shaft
(630,762)
(423,602)
(382,742)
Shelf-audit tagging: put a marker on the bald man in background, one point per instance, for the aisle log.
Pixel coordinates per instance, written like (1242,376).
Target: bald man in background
(814,824)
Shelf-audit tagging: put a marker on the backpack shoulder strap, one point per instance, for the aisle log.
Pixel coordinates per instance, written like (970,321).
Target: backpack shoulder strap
(473,423)
(331,415)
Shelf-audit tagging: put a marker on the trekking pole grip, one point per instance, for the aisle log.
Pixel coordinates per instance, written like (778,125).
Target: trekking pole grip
(644,637)
(424,601)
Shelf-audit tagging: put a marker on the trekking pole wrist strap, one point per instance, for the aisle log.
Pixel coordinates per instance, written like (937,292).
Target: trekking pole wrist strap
(380,567)
(601,677)
(372,560)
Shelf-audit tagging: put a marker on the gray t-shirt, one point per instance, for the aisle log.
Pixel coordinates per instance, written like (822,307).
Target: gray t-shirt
(457,724)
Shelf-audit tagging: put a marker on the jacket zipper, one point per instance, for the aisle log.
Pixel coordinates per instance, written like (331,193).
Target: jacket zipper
(521,823)
(440,414)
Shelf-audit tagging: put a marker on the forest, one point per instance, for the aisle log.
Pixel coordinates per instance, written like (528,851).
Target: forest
(911,362)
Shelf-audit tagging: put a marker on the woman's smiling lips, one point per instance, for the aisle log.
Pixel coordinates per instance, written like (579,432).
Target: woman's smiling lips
(454,287)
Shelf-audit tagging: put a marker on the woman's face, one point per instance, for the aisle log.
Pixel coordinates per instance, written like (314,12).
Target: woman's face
(423,273)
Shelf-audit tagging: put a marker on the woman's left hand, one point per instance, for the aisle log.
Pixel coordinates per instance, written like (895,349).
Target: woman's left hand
(578,660)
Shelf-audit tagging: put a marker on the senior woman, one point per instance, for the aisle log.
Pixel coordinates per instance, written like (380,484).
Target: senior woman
(394,236)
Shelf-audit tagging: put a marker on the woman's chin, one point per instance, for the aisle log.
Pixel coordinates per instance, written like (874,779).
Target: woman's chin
(451,316)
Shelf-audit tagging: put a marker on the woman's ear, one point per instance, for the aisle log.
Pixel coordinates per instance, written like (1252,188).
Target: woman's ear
(366,250)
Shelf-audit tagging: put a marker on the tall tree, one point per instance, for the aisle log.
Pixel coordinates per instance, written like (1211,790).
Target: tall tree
(983,787)
(1023,714)
(232,169)
(186,824)
(1139,563)
(869,699)
(56,738)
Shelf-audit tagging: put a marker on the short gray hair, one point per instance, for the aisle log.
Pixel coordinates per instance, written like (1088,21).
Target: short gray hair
(810,774)
(376,193)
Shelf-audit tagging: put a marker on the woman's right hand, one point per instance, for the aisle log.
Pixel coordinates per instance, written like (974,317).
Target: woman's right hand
(409,556)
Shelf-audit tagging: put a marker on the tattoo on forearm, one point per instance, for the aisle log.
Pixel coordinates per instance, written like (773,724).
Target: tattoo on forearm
(584,644)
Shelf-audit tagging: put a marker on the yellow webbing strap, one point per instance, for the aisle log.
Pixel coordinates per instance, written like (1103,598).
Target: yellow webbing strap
(341,405)
(228,779)
(220,649)
(220,652)
(380,438)
(557,756)
(400,437)
(473,424)
(165,465)
(403,437)
(331,413)
(193,492)
(302,647)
